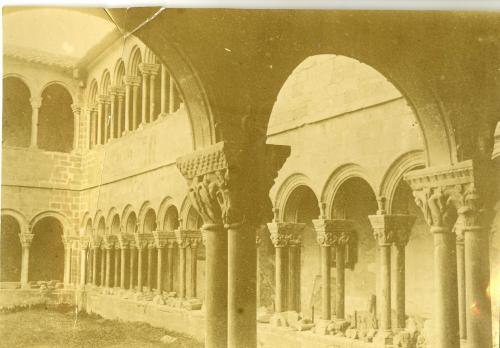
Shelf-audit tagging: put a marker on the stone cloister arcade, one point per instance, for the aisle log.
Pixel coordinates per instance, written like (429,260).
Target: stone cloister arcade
(332,187)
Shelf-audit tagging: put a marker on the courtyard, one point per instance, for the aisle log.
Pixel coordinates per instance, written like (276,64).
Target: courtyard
(63,327)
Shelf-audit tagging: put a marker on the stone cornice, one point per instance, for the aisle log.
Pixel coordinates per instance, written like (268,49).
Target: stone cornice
(458,174)
(285,233)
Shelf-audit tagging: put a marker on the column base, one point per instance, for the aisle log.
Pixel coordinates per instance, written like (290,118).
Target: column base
(25,286)
(383,338)
(322,327)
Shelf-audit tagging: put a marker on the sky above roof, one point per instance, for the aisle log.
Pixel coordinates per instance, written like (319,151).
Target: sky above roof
(57,31)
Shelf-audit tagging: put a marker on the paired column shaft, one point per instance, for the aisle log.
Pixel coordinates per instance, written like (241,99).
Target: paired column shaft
(123,252)
(159,271)
(108,267)
(325,282)
(103,264)
(216,286)
(340,282)
(133,257)
(194,270)
(279,301)
(149,277)
(116,270)
(242,300)
(139,269)
(94,266)
(182,271)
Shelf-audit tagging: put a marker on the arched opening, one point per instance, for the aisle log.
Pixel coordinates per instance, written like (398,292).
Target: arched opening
(171,219)
(193,220)
(133,70)
(10,250)
(105,91)
(115,225)
(149,224)
(47,251)
(16,120)
(419,255)
(101,227)
(119,124)
(55,120)
(92,104)
(355,200)
(130,226)
(302,207)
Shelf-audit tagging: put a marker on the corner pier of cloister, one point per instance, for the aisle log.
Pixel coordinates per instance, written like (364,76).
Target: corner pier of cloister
(306,191)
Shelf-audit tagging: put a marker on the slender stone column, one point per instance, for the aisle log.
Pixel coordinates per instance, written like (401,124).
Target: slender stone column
(135,101)
(94,265)
(207,172)
(194,265)
(284,236)
(171,95)
(170,264)
(404,224)
(476,230)
(100,110)
(108,266)
(153,71)
(384,228)
(107,118)
(182,244)
(159,270)
(294,268)
(113,113)
(36,103)
(25,239)
(133,258)
(462,303)
(139,267)
(120,121)
(67,259)
(437,192)
(128,87)
(92,126)
(149,274)
(340,282)
(84,245)
(103,266)
(116,264)
(163,98)
(326,237)
(76,125)
(279,237)
(123,245)
(258,242)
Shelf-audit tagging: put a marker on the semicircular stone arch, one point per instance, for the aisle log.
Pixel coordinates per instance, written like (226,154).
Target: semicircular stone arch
(409,161)
(289,185)
(335,181)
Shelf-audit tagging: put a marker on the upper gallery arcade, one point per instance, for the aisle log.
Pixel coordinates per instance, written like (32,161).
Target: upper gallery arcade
(324,171)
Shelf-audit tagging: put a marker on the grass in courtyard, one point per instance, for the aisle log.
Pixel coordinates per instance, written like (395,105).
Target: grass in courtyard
(42,327)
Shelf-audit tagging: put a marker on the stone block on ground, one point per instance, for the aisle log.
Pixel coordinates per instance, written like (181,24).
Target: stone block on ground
(192,304)
(168,339)
(158,300)
(278,320)
(263,315)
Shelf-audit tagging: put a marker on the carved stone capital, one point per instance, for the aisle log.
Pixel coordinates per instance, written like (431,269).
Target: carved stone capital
(95,242)
(141,240)
(394,228)
(117,91)
(108,241)
(76,109)
(285,233)
(103,99)
(131,80)
(67,241)
(123,241)
(26,239)
(149,68)
(229,182)
(160,238)
(84,242)
(185,238)
(332,232)
(441,193)
(36,102)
